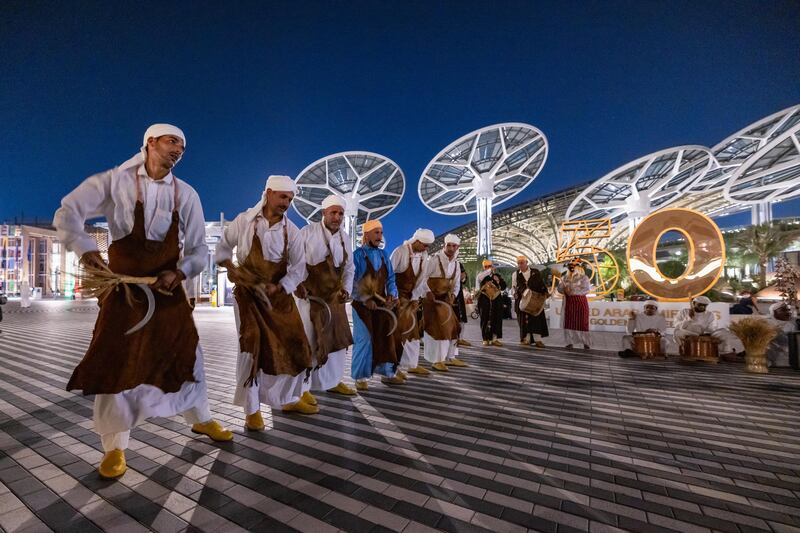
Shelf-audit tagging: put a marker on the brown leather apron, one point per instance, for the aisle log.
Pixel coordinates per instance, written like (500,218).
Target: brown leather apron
(163,352)
(326,281)
(384,347)
(440,323)
(406,309)
(275,336)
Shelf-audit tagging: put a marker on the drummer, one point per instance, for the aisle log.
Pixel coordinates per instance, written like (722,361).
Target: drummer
(648,322)
(531,328)
(696,321)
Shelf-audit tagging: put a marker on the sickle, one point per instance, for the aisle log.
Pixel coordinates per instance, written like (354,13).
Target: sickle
(262,295)
(449,310)
(394,319)
(413,325)
(318,300)
(151,307)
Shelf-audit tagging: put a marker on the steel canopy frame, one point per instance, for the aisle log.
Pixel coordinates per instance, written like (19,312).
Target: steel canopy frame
(637,188)
(482,169)
(371,184)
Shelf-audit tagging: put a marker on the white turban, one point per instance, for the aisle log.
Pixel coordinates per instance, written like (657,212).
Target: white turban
(425,236)
(452,239)
(331,200)
(702,300)
(281,183)
(159,130)
(654,303)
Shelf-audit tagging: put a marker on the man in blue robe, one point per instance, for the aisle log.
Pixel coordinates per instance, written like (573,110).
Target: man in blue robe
(375,335)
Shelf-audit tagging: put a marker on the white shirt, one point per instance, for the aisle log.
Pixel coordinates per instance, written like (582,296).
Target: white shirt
(434,270)
(316,239)
(705,321)
(578,284)
(642,322)
(526,275)
(399,260)
(239,235)
(112,194)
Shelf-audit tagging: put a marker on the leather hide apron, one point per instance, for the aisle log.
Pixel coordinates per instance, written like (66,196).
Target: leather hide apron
(275,336)
(440,322)
(384,347)
(163,352)
(406,309)
(325,281)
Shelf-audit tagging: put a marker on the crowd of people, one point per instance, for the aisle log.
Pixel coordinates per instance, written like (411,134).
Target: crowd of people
(291,290)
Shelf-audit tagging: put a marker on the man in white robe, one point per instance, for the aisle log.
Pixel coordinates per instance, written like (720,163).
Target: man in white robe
(574,286)
(144,190)
(443,265)
(695,320)
(281,244)
(650,321)
(408,261)
(326,240)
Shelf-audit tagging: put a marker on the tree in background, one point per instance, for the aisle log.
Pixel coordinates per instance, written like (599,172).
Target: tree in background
(787,281)
(763,242)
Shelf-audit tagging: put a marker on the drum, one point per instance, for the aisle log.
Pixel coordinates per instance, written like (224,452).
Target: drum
(647,345)
(491,290)
(700,348)
(532,302)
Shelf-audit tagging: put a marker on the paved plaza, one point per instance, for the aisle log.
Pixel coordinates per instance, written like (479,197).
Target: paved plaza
(523,439)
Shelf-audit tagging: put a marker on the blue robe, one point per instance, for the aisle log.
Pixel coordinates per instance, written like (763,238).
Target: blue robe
(361,365)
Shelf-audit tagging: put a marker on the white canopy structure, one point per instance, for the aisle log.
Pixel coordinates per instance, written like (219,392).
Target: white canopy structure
(482,169)
(770,175)
(732,152)
(371,184)
(750,170)
(635,189)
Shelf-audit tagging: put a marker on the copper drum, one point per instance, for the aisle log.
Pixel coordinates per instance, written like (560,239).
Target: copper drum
(647,345)
(701,348)
(532,302)
(491,290)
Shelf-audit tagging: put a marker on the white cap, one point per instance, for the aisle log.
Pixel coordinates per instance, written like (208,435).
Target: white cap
(159,130)
(702,300)
(281,183)
(654,303)
(331,200)
(452,239)
(425,236)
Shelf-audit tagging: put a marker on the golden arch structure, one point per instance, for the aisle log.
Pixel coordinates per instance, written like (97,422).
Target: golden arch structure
(581,240)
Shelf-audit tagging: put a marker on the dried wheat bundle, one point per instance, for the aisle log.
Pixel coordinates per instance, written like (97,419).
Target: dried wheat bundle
(99,283)
(754,333)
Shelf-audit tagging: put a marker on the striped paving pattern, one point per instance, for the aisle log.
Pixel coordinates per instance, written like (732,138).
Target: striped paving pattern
(544,440)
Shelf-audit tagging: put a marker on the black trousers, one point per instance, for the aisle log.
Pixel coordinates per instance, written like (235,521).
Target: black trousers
(491,312)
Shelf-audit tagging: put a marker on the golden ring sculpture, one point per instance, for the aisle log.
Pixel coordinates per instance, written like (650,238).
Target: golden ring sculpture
(706,255)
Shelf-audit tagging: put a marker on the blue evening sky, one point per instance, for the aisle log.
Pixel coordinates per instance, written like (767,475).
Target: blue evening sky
(269,87)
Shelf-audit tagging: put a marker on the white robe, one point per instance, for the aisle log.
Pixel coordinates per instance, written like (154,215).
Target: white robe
(283,389)
(113,194)
(439,351)
(316,240)
(579,285)
(399,258)
(641,323)
(704,323)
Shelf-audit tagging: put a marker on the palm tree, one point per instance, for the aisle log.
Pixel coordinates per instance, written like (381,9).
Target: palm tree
(763,242)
